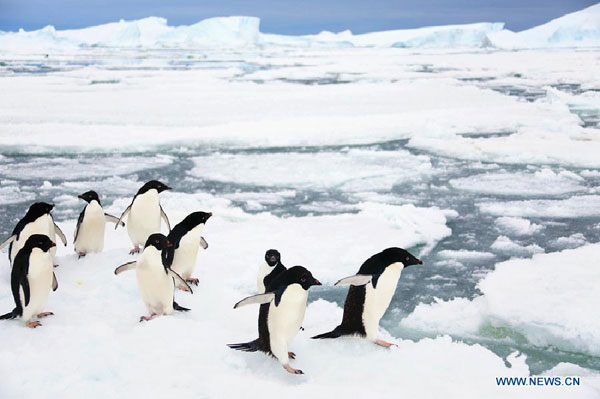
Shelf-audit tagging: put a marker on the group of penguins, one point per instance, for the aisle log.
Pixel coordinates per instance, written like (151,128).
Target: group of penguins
(167,263)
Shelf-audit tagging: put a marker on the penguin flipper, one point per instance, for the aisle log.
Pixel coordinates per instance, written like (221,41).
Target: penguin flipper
(255,299)
(125,212)
(60,233)
(114,219)
(8,241)
(54,282)
(179,281)
(335,333)
(251,346)
(203,243)
(125,267)
(357,280)
(179,308)
(11,315)
(163,215)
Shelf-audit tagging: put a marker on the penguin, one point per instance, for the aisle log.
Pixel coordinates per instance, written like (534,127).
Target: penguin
(269,270)
(281,314)
(145,213)
(370,294)
(156,281)
(186,239)
(31,279)
(89,233)
(37,220)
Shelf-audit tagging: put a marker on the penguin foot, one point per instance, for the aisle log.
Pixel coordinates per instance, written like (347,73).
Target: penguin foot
(33,324)
(80,255)
(292,370)
(291,355)
(383,343)
(135,250)
(147,318)
(194,281)
(44,314)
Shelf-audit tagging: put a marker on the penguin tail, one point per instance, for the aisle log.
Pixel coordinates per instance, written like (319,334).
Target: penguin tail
(11,315)
(335,333)
(251,346)
(179,308)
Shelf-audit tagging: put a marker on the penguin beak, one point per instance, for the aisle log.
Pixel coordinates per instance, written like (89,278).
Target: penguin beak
(419,262)
(52,244)
(169,244)
(316,282)
(209,215)
(80,196)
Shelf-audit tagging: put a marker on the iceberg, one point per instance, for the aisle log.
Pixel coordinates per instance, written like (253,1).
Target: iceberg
(577,29)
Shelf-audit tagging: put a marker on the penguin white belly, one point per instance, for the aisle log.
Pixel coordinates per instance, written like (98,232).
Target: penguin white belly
(184,261)
(378,299)
(155,285)
(90,237)
(263,271)
(144,217)
(39,226)
(284,321)
(40,277)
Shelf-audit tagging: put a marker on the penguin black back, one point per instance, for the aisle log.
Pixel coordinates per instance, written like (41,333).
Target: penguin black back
(181,229)
(352,320)
(293,275)
(36,210)
(20,270)
(273,258)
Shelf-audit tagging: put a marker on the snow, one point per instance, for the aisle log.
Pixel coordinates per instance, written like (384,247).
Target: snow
(505,245)
(517,226)
(96,322)
(542,182)
(350,171)
(549,299)
(579,206)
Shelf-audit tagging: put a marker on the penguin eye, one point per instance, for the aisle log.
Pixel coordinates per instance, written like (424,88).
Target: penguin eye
(303,279)
(407,258)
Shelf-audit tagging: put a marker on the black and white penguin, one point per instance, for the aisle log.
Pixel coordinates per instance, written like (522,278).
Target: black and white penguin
(32,277)
(371,291)
(156,281)
(269,270)
(186,239)
(281,314)
(145,213)
(37,220)
(89,233)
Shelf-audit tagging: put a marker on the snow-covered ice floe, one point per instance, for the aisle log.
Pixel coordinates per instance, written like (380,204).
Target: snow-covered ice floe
(548,299)
(96,340)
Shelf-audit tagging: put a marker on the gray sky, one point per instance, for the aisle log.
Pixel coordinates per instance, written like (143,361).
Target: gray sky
(289,16)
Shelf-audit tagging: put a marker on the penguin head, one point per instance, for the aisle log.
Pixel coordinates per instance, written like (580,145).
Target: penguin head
(272,257)
(153,184)
(297,275)
(195,218)
(39,208)
(40,241)
(90,196)
(395,255)
(158,241)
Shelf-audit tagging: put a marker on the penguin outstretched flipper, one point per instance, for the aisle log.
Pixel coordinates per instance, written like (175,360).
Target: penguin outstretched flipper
(255,299)
(8,241)
(60,234)
(179,308)
(356,280)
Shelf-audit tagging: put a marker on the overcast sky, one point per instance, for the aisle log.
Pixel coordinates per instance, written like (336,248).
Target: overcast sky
(289,16)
